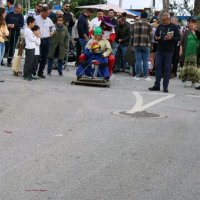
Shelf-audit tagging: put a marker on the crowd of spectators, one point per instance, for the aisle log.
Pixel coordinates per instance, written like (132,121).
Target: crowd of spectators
(159,44)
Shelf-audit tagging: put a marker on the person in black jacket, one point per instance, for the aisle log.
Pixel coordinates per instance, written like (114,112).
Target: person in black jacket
(167,34)
(83,27)
(122,31)
(14,21)
(68,16)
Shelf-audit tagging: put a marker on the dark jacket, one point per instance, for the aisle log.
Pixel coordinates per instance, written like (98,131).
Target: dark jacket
(82,26)
(69,22)
(59,42)
(167,45)
(16,19)
(123,32)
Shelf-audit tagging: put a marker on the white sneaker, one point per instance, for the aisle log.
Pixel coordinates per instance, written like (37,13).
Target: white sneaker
(136,78)
(148,79)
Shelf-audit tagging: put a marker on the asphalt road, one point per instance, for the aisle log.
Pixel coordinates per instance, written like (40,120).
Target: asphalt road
(64,142)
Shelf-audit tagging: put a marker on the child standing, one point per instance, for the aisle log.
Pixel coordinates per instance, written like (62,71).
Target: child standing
(36,32)
(30,41)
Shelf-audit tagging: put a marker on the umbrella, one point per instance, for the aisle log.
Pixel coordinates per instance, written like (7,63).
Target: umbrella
(107,7)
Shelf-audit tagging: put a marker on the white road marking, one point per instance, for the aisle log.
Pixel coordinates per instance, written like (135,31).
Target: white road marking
(138,107)
(195,96)
(138,104)
(59,135)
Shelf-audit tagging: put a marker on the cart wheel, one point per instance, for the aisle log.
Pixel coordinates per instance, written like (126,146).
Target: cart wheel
(72,83)
(108,86)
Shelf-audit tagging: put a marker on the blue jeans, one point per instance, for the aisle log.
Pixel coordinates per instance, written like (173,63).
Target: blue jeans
(83,43)
(2,50)
(120,61)
(142,57)
(163,67)
(59,67)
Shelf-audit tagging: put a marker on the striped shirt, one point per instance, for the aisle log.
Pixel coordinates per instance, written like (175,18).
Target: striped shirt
(142,34)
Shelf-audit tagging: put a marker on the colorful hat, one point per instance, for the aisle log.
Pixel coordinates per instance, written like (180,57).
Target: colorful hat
(98,31)
(107,21)
(94,45)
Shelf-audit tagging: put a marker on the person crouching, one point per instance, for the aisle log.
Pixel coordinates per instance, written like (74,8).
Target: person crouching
(58,45)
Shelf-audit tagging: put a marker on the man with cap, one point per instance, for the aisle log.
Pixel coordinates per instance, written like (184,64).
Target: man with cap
(142,41)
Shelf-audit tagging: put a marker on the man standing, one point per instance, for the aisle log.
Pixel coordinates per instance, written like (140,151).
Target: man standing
(175,58)
(35,12)
(14,21)
(97,20)
(167,34)
(111,15)
(83,27)
(122,31)
(46,30)
(68,16)
(9,6)
(142,41)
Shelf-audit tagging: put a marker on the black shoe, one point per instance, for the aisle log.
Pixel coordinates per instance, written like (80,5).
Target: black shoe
(197,88)
(9,65)
(154,88)
(2,64)
(41,76)
(165,90)
(28,78)
(15,73)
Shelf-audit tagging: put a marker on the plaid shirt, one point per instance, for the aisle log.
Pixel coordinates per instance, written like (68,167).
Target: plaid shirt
(142,34)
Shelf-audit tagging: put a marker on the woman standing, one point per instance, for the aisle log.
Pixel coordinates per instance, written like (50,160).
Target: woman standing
(189,47)
(3,32)
(58,45)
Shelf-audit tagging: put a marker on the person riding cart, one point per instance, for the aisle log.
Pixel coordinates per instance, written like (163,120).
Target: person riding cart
(93,63)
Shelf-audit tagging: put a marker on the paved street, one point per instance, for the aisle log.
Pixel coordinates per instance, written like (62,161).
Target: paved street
(64,142)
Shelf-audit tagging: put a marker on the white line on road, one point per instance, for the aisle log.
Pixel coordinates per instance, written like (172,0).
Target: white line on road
(195,96)
(138,107)
(138,104)
(59,135)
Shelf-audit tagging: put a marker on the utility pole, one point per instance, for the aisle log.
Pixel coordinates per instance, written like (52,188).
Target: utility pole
(120,3)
